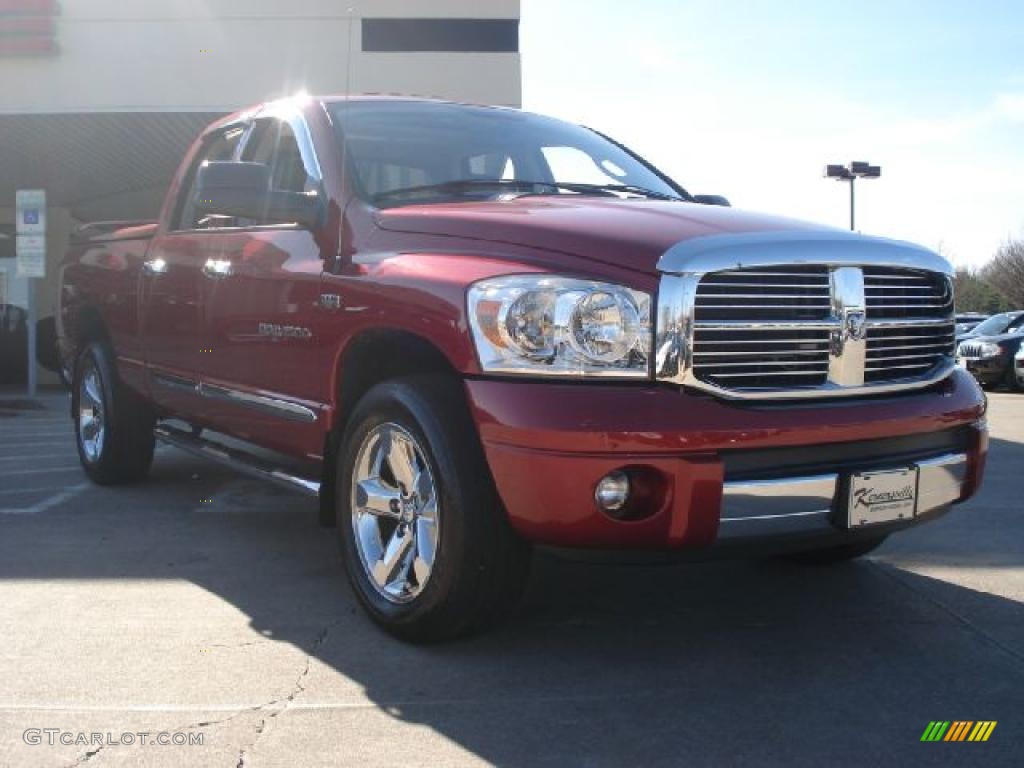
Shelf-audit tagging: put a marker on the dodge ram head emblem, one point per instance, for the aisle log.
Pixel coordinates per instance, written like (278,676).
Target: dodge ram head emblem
(856,325)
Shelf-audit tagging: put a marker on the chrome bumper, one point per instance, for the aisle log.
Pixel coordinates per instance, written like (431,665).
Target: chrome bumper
(806,505)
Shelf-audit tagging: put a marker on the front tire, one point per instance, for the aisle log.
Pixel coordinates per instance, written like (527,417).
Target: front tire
(840,554)
(427,546)
(113,428)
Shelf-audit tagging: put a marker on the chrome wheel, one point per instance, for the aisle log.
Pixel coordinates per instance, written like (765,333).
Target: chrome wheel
(91,415)
(394,513)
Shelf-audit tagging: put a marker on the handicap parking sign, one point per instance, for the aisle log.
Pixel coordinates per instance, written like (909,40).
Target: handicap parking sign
(31,205)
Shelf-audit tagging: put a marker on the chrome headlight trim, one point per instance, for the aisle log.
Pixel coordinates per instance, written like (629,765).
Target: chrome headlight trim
(492,309)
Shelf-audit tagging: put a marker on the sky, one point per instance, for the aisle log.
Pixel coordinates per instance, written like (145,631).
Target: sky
(752,99)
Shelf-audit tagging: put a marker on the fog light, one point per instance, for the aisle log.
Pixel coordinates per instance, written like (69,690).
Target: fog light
(612,492)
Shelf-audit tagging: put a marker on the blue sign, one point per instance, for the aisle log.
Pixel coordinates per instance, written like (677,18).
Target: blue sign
(32,216)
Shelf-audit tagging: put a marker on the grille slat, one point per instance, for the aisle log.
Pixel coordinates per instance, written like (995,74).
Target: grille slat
(916,356)
(758,342)
(776,373)
(883,369)
(762,353)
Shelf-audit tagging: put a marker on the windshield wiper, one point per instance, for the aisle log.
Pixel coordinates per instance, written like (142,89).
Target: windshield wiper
(630,189)
(459,185)
(527,187)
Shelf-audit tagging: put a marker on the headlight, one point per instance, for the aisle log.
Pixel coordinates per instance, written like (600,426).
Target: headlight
(560,326)
(989,349)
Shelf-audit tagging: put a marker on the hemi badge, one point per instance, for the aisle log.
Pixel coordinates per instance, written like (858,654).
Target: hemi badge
(330,301)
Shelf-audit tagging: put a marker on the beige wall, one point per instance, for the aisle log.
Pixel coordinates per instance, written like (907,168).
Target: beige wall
(196,55)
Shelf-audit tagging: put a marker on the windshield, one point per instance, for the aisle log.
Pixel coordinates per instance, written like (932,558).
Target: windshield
(420,152)
(995,325)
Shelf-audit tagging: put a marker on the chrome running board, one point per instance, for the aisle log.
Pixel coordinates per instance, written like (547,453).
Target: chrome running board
(236,459)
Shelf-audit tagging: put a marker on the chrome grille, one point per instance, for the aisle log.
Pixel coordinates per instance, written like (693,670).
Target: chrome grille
(731,350)
(800,314)
(924,302)
(780,328)
(973,351)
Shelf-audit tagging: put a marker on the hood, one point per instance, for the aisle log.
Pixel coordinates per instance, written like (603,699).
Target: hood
(626,233)
(996,339)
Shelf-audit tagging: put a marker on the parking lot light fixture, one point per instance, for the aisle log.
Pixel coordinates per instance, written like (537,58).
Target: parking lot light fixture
(858,169)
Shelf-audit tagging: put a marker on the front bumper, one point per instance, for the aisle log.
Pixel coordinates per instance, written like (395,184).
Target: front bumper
(811,505)
(712,471)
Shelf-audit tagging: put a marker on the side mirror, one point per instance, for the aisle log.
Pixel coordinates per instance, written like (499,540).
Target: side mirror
(712,200)
(243,190)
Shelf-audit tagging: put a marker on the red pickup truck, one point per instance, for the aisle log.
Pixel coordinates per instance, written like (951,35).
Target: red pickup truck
(473,330)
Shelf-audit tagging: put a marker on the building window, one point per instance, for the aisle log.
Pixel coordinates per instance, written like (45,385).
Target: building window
(441,35)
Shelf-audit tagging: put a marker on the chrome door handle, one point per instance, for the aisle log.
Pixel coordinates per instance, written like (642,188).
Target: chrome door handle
(217,268)
(155,266)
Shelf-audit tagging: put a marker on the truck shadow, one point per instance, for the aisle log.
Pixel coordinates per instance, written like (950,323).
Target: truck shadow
(709,664)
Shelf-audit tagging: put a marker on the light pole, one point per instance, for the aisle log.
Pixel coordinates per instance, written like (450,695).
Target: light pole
(850,173)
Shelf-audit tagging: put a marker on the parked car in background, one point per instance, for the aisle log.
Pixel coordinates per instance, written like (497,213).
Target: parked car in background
(990,359)
(1004,322)
(1018,364)
(968,321)
(13,343)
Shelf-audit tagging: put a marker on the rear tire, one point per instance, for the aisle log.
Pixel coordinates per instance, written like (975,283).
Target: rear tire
(840,554)
(427,546)
(113,427)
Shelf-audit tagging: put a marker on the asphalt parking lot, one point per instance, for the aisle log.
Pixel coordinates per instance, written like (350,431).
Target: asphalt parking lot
(207,604)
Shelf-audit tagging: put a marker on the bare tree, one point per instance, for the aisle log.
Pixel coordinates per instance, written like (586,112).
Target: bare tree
(973,294)
(1005,272)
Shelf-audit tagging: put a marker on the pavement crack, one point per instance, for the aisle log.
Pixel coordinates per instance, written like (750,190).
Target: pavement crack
(86,757)
(275,707)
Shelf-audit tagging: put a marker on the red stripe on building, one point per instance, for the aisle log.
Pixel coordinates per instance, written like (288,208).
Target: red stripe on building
(28,7)
(26,26)
(28,46)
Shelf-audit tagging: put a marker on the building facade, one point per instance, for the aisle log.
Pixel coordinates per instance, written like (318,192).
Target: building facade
(99,99)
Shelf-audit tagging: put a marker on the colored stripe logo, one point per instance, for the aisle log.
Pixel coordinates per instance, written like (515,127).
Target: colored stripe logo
(958,730)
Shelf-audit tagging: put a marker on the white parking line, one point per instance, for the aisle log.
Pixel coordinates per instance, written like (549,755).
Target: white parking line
(65,440)
(34,489)
(37,456)
(50,453)
(67,468)
(49,503)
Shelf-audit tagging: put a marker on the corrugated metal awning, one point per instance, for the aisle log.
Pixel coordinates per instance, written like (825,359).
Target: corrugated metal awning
(109,165)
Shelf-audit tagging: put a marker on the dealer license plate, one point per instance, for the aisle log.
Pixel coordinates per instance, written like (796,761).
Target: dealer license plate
(882,497)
